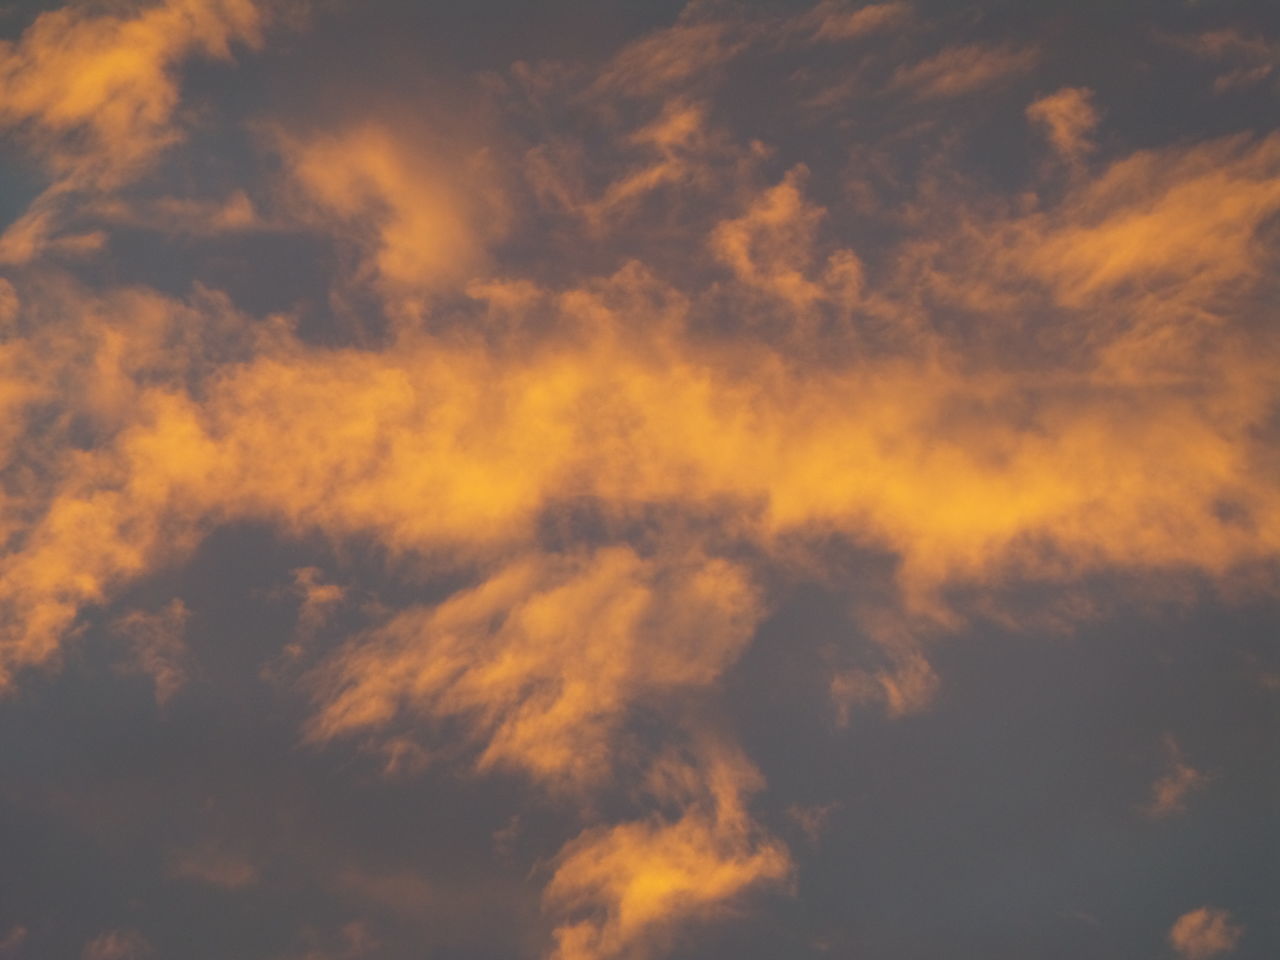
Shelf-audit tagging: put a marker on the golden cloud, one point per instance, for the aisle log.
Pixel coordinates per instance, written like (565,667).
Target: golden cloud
(542,661)
(1037,389)
(93,93)
(624,888)
(421,219)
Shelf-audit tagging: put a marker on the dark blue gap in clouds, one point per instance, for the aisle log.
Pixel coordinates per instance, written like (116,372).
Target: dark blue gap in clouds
(1005,821)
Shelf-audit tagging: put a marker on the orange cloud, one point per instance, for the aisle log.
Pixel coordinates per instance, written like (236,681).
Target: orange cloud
(837,20)
(1170,792)
(543,661)
(93,93)
(771,248)
(1040,389)
(1249,60)
(966,475)
(961,70)
(157,647)
(624,888)
(670,58)
(421,219)
(1183,221)
(1068,118)
(1204,932)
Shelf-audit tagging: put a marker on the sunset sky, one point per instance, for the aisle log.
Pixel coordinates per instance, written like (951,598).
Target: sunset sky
(640,480)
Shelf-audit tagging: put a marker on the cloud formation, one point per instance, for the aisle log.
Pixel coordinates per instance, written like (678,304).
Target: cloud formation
(1067,118)
(93,93)
(1204,932)
(598,376)
(1170,792)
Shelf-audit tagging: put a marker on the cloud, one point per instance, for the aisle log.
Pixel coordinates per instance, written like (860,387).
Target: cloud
(95,92)
(838,20)
(624,888)
(349,942)
(117,945)
(1148,217)
(961,70)
(543,661)
(13,941)
(157,647)
(92,93)
(318,598)
(907,685)
(420,218)
(671,58)
(210,864)
(619,438)
(965,475)
(1068,118)
(1170,792)
(771,248)
(812,819)
(186,216)
(1249,60)
(1204,932)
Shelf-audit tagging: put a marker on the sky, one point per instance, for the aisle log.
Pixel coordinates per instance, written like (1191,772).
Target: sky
(632,480)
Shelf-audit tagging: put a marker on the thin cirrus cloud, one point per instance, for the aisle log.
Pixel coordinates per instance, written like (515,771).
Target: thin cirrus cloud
(620,367)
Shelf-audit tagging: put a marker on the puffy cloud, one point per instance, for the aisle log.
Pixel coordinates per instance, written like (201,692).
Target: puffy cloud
(1204,932)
